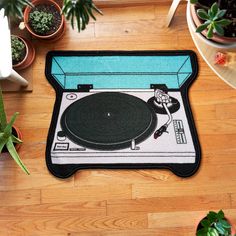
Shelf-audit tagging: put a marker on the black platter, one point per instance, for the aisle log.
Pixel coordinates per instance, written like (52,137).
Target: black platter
(108,121)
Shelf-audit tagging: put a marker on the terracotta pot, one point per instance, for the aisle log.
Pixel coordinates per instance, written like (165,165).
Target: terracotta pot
(29,55)
(18,134)
(217,38)
(54,36)
(233,231)
(60,2)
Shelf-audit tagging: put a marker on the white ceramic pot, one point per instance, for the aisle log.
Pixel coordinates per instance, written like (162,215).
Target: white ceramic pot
(203,38)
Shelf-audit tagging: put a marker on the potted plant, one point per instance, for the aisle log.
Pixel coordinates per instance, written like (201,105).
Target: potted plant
(47,22)
(215,224)
(81,10)
(10,137)
(216,20)
(44,20)
(13,9)
(23,52)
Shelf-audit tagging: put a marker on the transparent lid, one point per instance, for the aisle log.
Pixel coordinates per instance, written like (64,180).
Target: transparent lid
(121,72)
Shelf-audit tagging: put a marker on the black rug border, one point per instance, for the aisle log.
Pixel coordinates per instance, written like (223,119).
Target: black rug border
(67,170)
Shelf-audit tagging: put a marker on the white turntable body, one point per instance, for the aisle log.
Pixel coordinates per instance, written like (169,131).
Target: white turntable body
(176,146)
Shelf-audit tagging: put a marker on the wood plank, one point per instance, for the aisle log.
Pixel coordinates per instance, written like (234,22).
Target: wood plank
(226,111)
(213,97)
(218,143)
(127,14)
(19,197)
(67,224)
(165,204)
(183,188)
(49,210)
(177,231)
(213,159)
(131,28)
(122,3)
(217,127)
(208,82)
(233,200)
(86,193)
(185,218)
(120,43)
(204,112)
(81,233)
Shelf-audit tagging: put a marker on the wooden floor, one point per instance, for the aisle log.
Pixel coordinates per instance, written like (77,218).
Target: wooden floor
(116,202)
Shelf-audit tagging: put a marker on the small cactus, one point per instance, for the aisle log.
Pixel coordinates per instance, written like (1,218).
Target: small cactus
(40,21)
(17,48)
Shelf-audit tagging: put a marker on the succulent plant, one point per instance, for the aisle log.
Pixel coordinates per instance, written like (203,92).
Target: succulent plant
(214,21)
(215,224)
(14,8)
(81,10)
(7,139)
(40,21)
(17,49)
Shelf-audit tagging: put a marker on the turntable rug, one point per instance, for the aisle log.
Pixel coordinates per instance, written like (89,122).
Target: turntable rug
(122,110)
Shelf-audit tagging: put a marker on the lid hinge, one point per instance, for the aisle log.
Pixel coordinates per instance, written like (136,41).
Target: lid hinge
(84,87)
(162,87)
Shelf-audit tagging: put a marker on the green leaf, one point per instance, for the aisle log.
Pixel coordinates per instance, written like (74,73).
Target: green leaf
(72,19)
(205,223)
(15,155)
(69,14)
(15,8)
(28,3)
(225,224)
(15,139)
(83,21)
(82,10)
(220,215)
(214,9)
(96,9)
(224,22)
(220,228)
(2,141)
(219,29)
(202,27)
(201,232)
(210,14)
(3,118)
(203,14)
(8,129)
(65,8)
(212,232)
(86,16)
(220,14)
(78,20)
(91,13)
(18,10)
(193,1)
(212,216)
(210,32)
